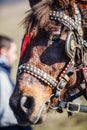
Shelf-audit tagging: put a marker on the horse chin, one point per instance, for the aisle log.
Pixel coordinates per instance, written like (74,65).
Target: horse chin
(29,122)
(37,120)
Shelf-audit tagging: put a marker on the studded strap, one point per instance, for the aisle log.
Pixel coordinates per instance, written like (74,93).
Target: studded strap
(40,74)
(85,73)
(70,23)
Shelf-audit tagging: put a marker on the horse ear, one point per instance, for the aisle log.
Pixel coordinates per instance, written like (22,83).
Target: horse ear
(33,2)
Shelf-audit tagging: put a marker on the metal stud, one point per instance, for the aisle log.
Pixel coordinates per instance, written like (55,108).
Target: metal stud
(64,71)
(61,75)
(44,75)
(60,78)
(39,77)
(66,68)
(28,72)
(48,83)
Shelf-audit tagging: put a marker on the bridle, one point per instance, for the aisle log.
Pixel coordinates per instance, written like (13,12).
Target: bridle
(75,45)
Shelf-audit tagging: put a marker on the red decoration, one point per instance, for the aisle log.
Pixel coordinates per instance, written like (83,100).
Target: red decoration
(26,41)
(85,77)
(85,73)
(85,5)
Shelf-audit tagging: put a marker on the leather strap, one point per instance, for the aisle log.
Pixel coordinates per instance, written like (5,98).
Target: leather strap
(73,107)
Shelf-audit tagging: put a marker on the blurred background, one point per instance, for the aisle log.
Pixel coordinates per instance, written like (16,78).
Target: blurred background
(12,13)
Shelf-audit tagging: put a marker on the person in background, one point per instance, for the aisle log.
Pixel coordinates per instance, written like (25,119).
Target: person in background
(8,55)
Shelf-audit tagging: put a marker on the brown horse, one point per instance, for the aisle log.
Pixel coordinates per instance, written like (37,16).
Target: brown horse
(46,73)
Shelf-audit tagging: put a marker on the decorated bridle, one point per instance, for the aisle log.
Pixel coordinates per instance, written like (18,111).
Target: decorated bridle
(74,42)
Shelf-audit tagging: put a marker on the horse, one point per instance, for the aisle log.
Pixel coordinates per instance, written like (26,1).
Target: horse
(52,63)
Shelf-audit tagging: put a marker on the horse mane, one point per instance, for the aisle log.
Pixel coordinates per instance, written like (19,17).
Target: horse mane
(38,15)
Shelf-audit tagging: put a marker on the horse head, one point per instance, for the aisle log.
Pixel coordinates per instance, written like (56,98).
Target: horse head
(46,72)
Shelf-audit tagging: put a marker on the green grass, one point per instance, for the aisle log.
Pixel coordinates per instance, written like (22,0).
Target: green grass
(10,17)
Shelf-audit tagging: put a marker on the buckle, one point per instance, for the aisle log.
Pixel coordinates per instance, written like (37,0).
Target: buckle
(74,104)
(61,84)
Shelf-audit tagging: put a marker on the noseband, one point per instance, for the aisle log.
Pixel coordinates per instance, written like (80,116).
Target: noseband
(76,49)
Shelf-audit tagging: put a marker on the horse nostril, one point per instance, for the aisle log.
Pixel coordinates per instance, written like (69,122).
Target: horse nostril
(27,104)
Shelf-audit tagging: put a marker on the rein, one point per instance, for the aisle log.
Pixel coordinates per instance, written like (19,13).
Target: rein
(74,25)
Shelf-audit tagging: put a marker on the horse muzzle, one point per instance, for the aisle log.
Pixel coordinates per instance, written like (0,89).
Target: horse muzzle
(24,109)
(22,106)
